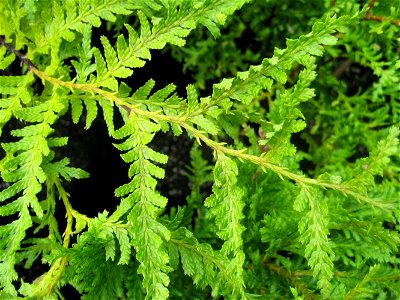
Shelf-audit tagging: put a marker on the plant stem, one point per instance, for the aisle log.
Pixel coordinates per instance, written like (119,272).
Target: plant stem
(184,121)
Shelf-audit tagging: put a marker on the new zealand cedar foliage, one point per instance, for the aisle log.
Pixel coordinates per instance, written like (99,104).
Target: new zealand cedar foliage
(298,101)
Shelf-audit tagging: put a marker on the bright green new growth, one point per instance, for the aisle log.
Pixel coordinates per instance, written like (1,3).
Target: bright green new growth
(268,229)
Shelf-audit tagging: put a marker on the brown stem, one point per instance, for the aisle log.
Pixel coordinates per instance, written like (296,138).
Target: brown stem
(298,284)
(371,5)
(372,17)
(18,54)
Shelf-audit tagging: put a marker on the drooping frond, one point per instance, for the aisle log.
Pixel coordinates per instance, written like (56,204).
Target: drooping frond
(26,166)
(313,229)
(143,203)
(226,206)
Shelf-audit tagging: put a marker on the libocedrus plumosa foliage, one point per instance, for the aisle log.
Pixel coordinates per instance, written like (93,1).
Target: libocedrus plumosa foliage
(269,227)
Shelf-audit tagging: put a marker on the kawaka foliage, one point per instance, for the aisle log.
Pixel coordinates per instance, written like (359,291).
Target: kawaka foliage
(298,102)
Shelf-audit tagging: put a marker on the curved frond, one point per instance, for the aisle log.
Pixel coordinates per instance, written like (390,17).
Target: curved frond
(142,203)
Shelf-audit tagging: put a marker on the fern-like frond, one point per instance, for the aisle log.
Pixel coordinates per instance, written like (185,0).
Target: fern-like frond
(247,85)
(379,244)
(164,101)
(206,266)
(142,203)
(11,236)
(10,22)
(83,65)
(15,94)
(87,260)
(313,229)
(361,290)
(174,25)
(366,168)
(66,18)
(5,60)
(109,233)
(26,166)
(22,163)
(285,116)
(55,172)
(226,204)
(79,101)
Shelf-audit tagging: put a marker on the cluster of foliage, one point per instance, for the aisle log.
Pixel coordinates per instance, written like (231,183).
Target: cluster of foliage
(321,221)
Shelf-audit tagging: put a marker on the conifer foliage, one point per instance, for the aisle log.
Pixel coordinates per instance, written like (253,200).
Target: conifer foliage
(270,227)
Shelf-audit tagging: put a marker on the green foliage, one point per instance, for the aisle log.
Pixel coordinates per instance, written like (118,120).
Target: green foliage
(298,103)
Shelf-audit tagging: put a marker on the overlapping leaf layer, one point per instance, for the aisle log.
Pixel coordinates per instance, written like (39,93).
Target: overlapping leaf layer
(266,227)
